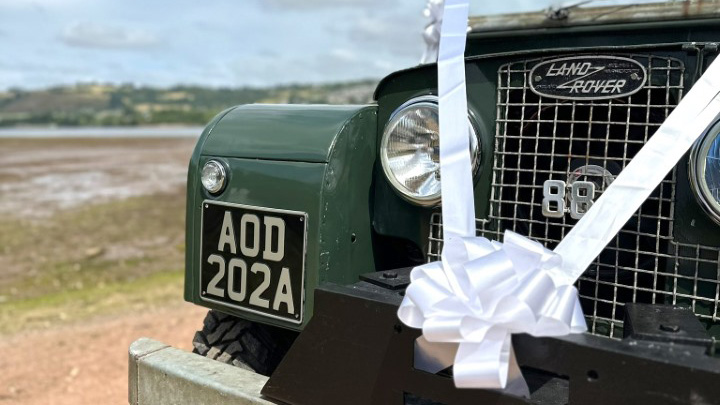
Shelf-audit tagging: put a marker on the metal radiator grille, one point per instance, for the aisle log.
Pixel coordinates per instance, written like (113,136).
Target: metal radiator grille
(690,277)
(540,138)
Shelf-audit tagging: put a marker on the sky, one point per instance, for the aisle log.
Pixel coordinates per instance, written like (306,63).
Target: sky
(217,43)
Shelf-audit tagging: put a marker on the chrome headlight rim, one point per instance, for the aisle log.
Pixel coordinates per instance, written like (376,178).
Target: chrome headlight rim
(696,169)
(223,175)
(434,199)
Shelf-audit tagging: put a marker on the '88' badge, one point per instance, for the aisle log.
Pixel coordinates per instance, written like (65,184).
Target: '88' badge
(574,196)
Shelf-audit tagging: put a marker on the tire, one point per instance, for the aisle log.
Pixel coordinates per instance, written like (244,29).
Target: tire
(249,345)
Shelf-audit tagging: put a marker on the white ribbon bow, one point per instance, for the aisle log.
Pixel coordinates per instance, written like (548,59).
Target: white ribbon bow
(481,293)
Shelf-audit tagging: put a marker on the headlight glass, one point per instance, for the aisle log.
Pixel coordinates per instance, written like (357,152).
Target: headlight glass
(705,171)
(410,151)
(213,176)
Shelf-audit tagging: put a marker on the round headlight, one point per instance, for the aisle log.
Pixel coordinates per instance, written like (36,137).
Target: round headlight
(705,171)
(213,176)
(410,151)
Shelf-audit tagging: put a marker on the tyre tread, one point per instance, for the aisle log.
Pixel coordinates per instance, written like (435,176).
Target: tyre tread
(242,343)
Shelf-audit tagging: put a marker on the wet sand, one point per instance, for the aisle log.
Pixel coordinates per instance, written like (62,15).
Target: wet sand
(40,176)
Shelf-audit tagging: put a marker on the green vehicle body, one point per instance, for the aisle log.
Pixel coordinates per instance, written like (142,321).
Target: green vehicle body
(324,160)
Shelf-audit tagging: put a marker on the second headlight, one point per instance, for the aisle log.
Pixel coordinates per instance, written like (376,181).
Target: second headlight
(705,171)
(410,151)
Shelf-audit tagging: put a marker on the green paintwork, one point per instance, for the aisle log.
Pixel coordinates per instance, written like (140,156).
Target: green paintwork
(301,133)
(322,159)
(332,186)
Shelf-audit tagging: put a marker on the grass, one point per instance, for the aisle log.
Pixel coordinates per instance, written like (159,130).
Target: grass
(97,259)
(78,304)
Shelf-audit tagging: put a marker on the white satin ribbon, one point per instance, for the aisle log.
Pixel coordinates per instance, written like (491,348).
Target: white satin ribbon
(458,209)
(431,33)
(482,291)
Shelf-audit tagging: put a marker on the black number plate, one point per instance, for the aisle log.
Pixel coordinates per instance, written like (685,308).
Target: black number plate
(253,259)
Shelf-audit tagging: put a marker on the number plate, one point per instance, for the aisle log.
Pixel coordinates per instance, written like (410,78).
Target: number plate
(253,259)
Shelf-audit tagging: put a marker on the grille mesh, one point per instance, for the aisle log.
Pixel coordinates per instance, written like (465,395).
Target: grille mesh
(689,277)
(540,138)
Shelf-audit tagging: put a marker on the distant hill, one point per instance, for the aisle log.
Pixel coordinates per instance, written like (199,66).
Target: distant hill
(108,105)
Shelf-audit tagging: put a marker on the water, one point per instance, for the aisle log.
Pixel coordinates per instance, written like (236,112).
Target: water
(102,132)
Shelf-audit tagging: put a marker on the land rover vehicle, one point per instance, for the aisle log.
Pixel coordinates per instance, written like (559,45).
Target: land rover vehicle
(282,198)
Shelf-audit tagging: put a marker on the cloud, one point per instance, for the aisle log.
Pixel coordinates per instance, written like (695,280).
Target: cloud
(343,55)
(281,41)
(332,65)
(399,34)
(94,35)
(308,5)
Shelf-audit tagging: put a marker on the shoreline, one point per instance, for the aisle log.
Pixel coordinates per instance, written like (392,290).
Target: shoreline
(101,132)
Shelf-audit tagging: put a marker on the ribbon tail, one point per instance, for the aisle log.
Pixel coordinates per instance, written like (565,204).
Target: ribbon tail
(490,364)
(433,357)
(516,384)
(485,364)
(578,324)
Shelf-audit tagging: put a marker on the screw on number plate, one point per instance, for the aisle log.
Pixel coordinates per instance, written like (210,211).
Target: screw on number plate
(669,328)
(206,205)
(538,78)
(634,76)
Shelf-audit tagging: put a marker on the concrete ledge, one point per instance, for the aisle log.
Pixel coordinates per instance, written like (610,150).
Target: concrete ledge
(160,374)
